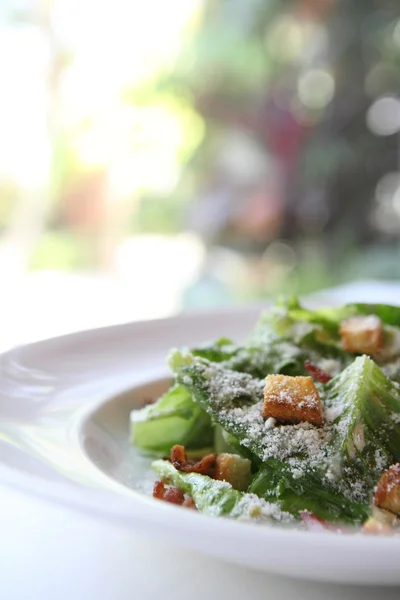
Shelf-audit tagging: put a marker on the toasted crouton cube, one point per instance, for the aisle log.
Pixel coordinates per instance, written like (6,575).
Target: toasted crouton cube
(380,522)
(375,527)
(387,492)
(234,469)
(292,400)
(362,334)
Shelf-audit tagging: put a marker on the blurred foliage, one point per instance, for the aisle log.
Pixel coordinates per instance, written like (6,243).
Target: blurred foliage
(9,194)
(60,251)
(254,134)
(158,215)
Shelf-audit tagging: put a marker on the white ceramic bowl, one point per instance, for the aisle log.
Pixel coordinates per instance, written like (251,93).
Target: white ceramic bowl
(64,427)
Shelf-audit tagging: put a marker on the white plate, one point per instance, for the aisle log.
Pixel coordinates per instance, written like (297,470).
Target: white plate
(64,406)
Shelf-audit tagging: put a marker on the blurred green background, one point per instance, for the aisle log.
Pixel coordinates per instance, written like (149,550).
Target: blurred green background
(198,152)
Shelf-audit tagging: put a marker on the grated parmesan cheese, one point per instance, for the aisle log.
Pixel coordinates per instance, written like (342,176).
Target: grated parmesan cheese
(238,397)
(253,507)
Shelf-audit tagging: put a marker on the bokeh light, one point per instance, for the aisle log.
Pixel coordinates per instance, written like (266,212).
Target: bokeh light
(232,150)
(383,117)
(316,88)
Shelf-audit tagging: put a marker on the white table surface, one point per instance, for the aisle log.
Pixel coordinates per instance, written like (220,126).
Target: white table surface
(49,553)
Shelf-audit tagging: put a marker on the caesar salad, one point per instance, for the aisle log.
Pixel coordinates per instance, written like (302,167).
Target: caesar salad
(299,425)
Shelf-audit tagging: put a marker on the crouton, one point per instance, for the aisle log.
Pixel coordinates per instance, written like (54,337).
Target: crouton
(234,469)
(362,334)
(380,522)
(292,400)
(387,492)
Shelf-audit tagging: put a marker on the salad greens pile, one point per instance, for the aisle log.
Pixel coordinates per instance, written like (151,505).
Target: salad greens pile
(216,405)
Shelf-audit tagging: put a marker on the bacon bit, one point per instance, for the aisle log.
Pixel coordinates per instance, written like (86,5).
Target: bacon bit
(316,372)
(174,495)
(189,503)
(314,523)
(178,456)
(205,466)
(159,490)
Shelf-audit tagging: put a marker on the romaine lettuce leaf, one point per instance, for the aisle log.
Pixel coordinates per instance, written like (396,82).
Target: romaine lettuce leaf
(276,482)
(218,498)
(289,320)
(341,461)
(367,431)
(173,419)
(218,396)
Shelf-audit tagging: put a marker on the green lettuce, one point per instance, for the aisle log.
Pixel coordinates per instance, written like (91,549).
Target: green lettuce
(173,419)
(360,439)
(218,498)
